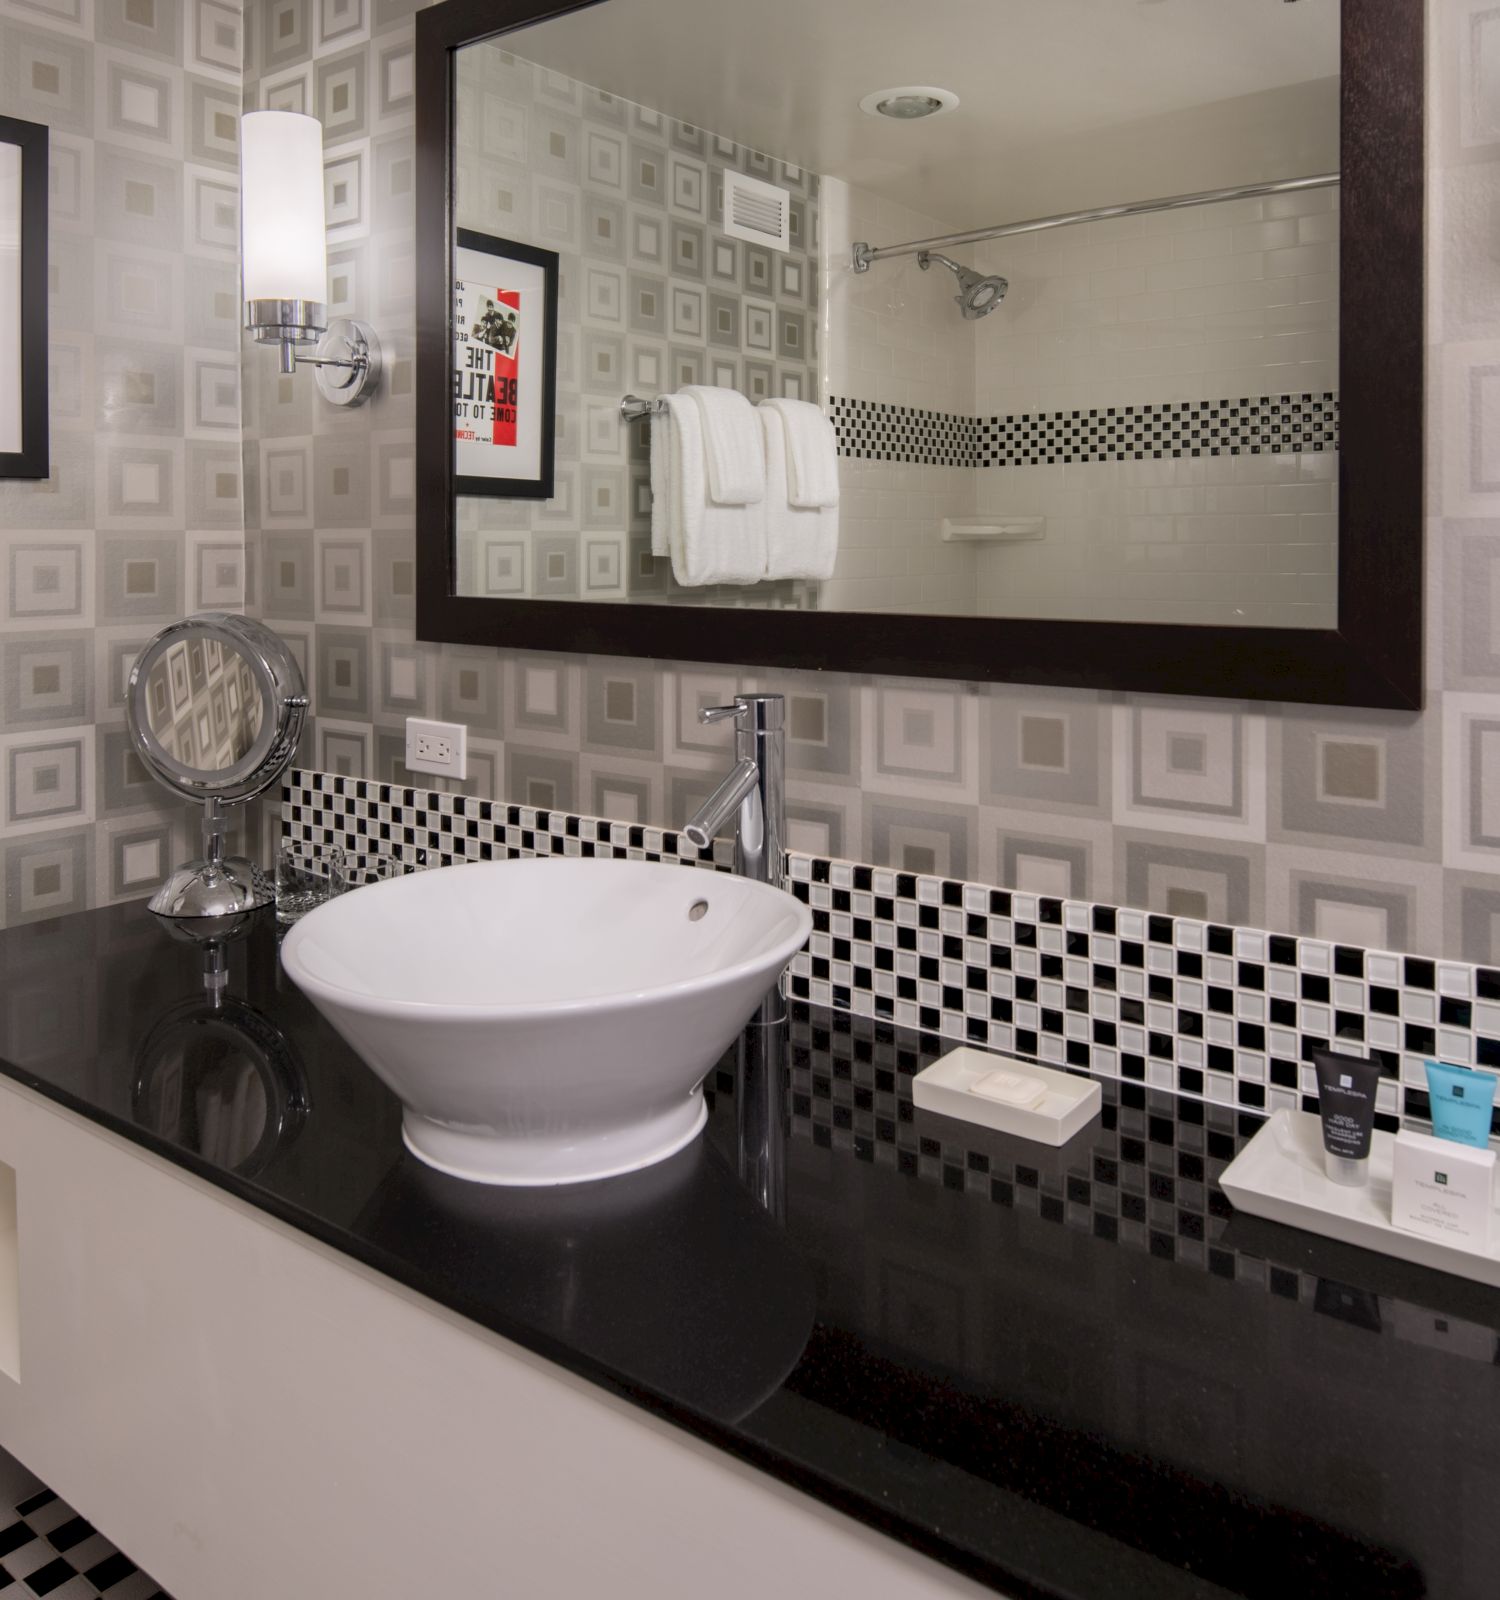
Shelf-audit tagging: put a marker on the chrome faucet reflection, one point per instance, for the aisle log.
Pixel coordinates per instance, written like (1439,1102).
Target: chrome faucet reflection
(756,786)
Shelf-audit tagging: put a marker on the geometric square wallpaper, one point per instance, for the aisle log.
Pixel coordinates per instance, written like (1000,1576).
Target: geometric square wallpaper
(187,476)
(1375,830)
(654,294)
(141,517)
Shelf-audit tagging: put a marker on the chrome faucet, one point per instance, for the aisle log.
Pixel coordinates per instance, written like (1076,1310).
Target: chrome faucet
(756,786)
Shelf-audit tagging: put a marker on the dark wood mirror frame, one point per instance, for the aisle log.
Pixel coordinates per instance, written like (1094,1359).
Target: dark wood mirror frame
(32,459)
(1373,657)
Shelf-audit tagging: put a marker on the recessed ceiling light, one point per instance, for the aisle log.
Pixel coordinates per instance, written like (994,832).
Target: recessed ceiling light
(908,102)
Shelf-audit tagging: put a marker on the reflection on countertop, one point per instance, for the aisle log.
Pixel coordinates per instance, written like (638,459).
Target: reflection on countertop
(1067,1372)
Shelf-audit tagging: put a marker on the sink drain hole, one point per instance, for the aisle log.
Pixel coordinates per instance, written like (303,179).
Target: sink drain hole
(698,911)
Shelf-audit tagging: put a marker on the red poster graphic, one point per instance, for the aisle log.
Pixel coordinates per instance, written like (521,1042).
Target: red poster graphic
(489,385)
(500,327)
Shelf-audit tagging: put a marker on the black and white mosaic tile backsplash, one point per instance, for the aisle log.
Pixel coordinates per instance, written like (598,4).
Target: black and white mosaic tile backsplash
(1231,1016)
(1262,425)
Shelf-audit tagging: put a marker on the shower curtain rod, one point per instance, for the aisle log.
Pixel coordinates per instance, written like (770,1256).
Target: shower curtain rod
(864,254)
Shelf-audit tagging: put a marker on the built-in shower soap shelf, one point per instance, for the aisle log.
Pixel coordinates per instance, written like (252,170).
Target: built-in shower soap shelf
(993,530)
(1279,1176)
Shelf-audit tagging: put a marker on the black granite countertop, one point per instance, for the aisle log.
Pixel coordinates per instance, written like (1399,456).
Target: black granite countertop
(1066,1373)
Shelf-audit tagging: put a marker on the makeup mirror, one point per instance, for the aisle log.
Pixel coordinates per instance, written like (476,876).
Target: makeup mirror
(215,706)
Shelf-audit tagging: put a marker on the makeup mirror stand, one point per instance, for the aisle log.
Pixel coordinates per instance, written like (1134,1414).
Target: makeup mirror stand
(215,885)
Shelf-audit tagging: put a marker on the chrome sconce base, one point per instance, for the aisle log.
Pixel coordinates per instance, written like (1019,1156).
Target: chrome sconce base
(347,359)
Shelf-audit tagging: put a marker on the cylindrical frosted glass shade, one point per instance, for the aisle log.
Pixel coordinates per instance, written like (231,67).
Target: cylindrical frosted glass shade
(284,249)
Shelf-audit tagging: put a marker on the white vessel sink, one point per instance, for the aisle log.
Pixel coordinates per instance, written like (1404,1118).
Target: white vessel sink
(546,1021)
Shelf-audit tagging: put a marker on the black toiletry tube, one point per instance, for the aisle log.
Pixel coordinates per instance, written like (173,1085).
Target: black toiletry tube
(1346,1103)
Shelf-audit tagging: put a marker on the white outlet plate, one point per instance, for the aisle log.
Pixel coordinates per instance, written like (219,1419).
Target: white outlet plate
(441,748)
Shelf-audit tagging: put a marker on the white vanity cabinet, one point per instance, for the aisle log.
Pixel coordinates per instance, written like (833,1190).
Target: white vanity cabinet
(249,1414)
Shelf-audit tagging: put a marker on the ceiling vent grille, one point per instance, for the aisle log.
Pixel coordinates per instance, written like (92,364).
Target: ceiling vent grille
(757,211)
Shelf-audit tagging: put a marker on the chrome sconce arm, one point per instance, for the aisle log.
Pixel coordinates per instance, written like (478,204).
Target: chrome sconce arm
(347,357)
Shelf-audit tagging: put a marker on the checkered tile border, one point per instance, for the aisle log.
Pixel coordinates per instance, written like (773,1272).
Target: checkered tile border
(1269,425)
(49,1550)
(423,829)
(903,433)
(1230,1016)
(1272,425)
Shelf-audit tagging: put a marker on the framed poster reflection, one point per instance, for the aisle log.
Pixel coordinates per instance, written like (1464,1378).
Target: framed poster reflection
(504,367)
(23,299)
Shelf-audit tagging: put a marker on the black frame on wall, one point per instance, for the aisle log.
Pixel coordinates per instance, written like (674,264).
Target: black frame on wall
(32,459)
(1372,658)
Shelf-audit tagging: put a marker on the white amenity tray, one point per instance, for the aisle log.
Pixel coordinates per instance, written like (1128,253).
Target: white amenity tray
(1279,1175)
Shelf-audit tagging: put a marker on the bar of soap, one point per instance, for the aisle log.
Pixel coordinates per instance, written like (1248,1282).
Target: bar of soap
(1010,1089)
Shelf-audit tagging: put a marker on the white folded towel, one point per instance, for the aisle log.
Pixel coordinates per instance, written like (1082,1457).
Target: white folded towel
(812,449)
(801,541)
(666,477)
(708,543)
(732,443)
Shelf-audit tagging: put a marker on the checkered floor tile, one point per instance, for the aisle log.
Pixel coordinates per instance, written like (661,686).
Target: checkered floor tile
(48,1550)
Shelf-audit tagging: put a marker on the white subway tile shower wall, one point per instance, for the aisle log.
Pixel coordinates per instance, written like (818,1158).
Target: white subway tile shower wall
(1228,1015)
(1210,304)
(1234,299)
(892,334)
(1203,307)
(1169,512)
(140,519)
(1247,540)
(893,337)
(892,556)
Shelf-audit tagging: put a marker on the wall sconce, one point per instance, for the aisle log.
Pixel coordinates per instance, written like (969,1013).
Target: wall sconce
(285,254)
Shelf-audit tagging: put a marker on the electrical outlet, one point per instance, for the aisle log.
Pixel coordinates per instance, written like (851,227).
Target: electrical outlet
(437,747)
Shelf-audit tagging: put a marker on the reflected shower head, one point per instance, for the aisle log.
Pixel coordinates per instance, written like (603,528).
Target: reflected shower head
(976,296)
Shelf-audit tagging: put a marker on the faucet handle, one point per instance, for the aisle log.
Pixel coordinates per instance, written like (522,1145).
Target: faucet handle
(720,713)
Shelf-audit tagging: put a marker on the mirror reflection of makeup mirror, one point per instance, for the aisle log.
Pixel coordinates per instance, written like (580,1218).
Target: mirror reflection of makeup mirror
(217,1078)
(215,706)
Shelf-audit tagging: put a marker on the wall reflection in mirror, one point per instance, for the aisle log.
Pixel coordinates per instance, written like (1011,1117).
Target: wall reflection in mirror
(1128,418)
(203,704)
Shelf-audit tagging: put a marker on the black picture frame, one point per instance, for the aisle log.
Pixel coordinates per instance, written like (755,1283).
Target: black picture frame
(1373,657)
(32,459)
(546,262)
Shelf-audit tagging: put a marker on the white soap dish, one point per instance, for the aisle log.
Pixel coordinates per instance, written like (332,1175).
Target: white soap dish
(1008,1095)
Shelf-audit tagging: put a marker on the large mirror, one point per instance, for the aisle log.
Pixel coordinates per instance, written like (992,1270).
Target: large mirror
(1114,311)
(23,299)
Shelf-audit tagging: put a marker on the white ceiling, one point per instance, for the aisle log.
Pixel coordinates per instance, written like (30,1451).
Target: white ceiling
(1064,103)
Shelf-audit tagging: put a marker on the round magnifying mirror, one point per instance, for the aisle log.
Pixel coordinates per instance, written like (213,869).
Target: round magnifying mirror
(216,706)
